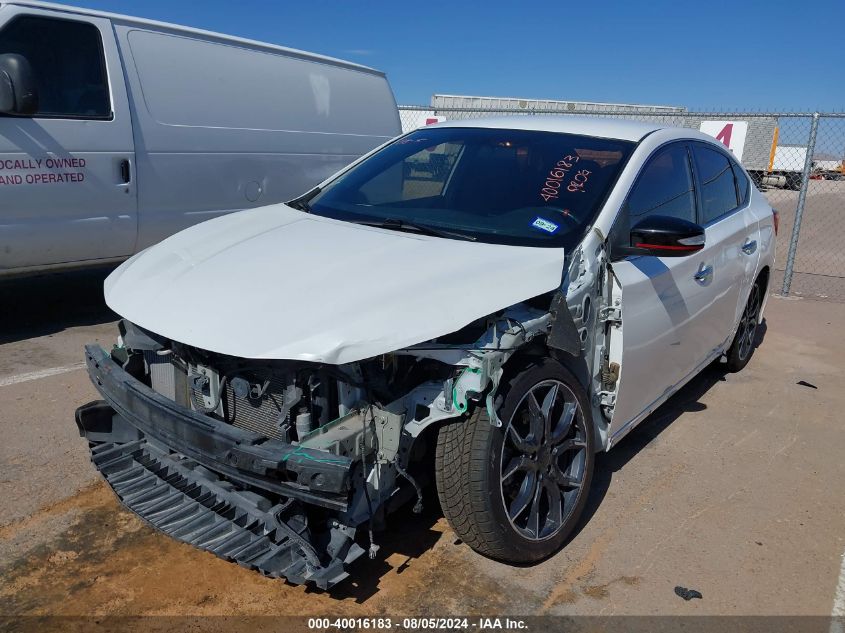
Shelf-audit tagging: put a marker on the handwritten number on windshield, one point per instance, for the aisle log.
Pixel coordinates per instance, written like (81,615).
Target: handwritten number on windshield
(556,176)
(579,181)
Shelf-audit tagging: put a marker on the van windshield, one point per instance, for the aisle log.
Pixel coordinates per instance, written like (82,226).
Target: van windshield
(520,187)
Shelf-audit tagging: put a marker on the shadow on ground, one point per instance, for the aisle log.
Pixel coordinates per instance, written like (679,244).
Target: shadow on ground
(407,534)
(687,399)
(47,304)
(412,535)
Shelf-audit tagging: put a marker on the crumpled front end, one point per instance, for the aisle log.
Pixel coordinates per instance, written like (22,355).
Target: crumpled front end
(286,467)
(215,486)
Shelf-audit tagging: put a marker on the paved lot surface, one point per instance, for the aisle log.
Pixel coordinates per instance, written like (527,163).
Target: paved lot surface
(820,260)
(734,488)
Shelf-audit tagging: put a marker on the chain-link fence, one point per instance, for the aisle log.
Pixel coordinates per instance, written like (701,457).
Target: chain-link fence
(796,159)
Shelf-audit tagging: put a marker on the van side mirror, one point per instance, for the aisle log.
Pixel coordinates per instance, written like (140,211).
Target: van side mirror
(665,236)
(18,94)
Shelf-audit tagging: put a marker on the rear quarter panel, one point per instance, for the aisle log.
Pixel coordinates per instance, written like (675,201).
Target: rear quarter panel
(762,211)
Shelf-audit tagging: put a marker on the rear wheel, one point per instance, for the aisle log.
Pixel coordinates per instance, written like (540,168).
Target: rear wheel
(514,493)
(742,348)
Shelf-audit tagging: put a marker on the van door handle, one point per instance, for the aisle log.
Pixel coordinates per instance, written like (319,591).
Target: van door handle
(704,274)
(749,247)
(125,173)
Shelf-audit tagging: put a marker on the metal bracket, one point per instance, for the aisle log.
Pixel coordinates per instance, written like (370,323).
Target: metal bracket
(611,314)
(388,427)
(607,398)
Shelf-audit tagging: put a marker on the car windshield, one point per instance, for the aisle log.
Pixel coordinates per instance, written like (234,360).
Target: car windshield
(520,187)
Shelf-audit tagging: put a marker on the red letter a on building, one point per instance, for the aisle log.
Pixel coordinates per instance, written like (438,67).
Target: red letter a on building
(725,135)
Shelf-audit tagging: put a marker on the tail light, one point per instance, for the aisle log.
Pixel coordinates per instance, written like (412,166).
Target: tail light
(776,220)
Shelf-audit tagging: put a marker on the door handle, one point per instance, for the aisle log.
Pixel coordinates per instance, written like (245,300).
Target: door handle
(125,173)
(749,247)
(704,274)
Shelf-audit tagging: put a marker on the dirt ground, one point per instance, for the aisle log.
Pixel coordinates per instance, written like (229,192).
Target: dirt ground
(733,488)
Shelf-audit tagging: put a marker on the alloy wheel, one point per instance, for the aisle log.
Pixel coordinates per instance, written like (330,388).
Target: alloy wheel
(748,323)
(543,460)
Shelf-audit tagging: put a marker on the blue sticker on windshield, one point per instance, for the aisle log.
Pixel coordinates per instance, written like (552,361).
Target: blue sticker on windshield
(544,225)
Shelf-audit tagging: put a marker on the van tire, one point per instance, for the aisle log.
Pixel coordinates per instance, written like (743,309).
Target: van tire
(469,462)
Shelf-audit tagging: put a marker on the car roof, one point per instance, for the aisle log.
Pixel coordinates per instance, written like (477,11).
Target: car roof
(126,19)
(599,126)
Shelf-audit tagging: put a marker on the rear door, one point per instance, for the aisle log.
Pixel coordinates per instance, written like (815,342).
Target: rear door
(66,172)
(723,196)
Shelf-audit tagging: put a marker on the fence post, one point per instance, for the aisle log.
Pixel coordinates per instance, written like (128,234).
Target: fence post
(799,209)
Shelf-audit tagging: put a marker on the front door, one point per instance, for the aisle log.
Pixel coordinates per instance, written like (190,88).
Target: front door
(66,172)
(666,303)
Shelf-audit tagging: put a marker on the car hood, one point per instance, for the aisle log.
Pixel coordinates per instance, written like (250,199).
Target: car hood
(276,283)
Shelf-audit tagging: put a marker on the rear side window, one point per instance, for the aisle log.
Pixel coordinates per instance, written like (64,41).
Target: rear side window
(665,187)
(67,60)
(716,180)
(742,186)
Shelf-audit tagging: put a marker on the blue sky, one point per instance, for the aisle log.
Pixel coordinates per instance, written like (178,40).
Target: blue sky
(709,54)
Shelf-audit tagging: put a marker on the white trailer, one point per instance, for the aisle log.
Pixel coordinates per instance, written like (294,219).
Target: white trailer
(526,106)
(787,167)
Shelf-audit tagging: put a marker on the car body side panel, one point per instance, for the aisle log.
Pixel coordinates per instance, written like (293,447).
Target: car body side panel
(662,314)
(761,211)
(767,246)
(730,282)
(645,332)
(672,324)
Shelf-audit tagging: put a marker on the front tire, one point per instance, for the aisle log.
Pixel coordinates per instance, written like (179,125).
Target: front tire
(516,492)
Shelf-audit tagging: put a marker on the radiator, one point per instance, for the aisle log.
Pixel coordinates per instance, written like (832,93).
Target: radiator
(259,415)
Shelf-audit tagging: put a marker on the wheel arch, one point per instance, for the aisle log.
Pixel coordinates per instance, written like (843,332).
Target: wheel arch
(765,278)
(520,360)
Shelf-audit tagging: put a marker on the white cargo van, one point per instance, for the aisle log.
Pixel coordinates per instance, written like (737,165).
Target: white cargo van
(116,132)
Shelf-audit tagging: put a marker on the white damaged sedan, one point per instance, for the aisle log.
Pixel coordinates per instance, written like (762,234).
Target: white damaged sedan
(485,304)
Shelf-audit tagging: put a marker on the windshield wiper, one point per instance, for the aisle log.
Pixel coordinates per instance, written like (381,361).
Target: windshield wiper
(399,225)
(301,203)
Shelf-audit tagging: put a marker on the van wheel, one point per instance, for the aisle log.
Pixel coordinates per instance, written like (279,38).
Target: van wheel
(742,348)
(515,492)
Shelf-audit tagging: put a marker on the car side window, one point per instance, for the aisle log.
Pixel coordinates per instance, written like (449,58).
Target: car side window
(664,187)
(67,62)
(742,185)
(716,180)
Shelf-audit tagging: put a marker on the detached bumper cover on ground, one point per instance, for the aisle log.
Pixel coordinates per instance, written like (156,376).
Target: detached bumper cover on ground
(181,493)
